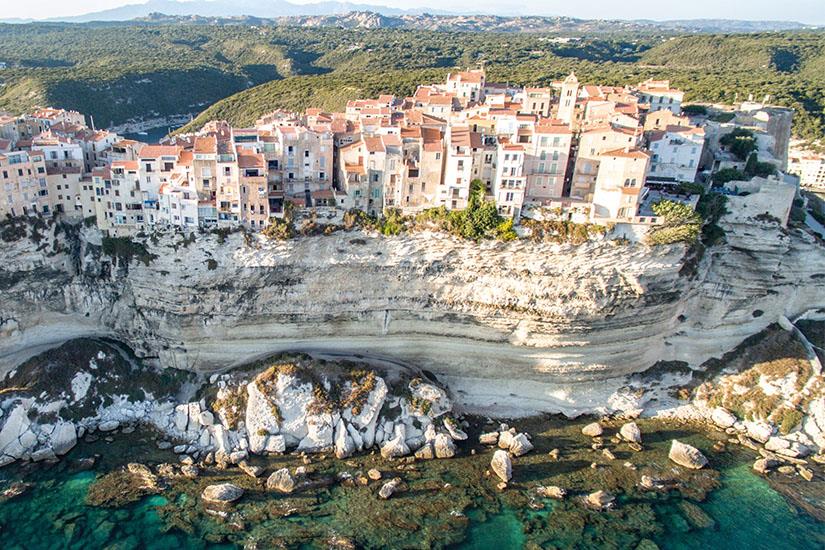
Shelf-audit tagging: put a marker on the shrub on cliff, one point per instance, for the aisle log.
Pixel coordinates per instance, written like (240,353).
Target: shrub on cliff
(682,224)
(125,249)
(563,231)
(12,229)
(478,221)
(279,229)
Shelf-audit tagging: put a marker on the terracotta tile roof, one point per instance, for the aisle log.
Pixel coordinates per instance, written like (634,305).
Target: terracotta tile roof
(391,140)
(354,169)
(562,129)
(206,145)
(157,151)
(248,159)
(374,144)
(630,153)
(131,165)
(186,158)
(102,171)
(460,136)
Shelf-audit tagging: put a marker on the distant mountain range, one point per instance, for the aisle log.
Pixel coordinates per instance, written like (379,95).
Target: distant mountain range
(490,23)
(232,8)
(351,15)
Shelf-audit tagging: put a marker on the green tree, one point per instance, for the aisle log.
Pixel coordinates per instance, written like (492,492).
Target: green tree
(740,142)
(681,223)
(725,175)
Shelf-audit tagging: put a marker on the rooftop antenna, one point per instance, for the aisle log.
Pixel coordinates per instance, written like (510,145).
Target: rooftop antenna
(92,118)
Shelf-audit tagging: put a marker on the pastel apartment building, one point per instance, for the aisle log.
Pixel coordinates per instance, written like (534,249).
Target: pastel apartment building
(589,148)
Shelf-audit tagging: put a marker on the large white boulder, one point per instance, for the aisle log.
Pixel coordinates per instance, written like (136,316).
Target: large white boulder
(344,446)
(722,418)
(320,431)
(444,446)
(63,438)
(222,493)
(396,446)
(686,455)
(366,419)
(261,422)
(759,431)
(631,432)
(439,402)
(520,445)
(502,465)
(293,399)
(13,437)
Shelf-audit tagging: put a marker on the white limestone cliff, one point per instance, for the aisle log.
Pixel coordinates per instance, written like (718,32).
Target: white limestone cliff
(559,326)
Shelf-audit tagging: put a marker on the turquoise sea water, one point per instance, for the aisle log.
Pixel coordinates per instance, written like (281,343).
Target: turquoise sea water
(745,511)
(749,515)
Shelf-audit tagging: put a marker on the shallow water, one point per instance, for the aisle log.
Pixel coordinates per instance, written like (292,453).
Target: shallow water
(750,515)
(468,514)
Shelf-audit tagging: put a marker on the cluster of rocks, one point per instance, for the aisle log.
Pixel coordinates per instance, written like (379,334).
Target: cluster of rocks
(249,417)
(788,454)
(510,443)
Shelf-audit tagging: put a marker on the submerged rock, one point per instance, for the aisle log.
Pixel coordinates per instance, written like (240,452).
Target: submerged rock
(389,488)
(686,455)
(222,493)
(600,499)
(374,474)
(502,465)
(121,487)
(696,516)
(551,491)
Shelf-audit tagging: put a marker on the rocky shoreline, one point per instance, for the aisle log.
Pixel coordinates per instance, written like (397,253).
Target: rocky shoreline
(372,500)
(288,403)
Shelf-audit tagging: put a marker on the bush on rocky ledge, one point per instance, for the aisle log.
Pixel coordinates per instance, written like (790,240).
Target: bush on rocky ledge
(682,224)
(125,249)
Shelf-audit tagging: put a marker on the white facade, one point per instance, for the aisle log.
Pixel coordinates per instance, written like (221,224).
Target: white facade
(810,169)
(510,183)
(676,152)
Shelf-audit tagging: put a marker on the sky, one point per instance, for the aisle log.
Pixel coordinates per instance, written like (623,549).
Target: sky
(805,11)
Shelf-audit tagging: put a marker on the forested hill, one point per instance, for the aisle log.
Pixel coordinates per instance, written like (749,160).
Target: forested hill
(123,71)
(788,67)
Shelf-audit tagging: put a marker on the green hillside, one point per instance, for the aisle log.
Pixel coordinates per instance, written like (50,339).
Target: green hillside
(787,67)
(117,72)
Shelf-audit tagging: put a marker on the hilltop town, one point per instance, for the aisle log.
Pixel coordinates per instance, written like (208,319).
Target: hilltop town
(572,152)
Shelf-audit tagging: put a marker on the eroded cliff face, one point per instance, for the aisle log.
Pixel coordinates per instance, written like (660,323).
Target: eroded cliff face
(511,327)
